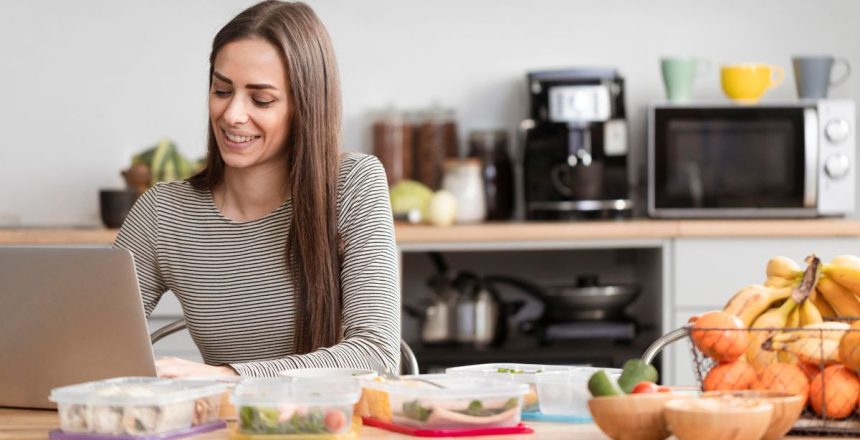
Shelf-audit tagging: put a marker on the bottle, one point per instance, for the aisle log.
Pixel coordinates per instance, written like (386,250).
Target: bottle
(463,180)
(491,147)
(392,145)
(435,141)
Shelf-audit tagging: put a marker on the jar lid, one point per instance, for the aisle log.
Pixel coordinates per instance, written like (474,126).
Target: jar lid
(456,163)
(488,137)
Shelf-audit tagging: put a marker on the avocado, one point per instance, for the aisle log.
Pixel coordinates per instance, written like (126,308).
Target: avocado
(600,384)
(635,371)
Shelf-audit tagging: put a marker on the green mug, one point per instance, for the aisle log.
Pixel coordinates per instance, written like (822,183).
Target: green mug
(679,73)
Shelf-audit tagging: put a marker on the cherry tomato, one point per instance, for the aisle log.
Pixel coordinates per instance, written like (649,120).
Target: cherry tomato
(662,389)
(335,421)
(645,387)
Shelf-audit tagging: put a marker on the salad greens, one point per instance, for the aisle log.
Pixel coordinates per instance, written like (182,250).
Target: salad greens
(294,420)
(516,371)
(415,411)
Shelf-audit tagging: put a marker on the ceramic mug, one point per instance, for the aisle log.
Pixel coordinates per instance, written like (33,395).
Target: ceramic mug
(812,75)
(679,74)
(748,82)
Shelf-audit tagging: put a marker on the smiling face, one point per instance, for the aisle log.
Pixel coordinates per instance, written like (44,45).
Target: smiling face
(249,106)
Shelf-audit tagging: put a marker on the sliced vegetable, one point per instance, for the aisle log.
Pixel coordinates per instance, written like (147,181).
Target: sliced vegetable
(600,384)
(645,387)
(635,371)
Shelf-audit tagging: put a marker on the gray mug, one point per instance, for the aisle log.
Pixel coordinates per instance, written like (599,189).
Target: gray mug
(812,75)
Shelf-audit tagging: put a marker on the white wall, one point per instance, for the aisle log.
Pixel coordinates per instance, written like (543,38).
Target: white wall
(86,83)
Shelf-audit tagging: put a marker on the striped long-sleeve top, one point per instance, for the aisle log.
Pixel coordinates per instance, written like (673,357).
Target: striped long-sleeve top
(234,285)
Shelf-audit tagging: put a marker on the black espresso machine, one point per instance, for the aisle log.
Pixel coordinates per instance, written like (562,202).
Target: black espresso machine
(575,146)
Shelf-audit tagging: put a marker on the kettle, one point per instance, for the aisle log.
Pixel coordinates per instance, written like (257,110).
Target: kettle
(438,318)
(478,312)
(465,310)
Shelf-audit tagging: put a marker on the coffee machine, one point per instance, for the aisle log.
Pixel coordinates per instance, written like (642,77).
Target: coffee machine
(575,146)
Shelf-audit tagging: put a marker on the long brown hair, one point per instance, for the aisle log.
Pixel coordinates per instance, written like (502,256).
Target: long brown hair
(313,151)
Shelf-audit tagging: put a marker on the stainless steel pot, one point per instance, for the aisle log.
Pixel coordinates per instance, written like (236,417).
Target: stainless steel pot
(571,303)
(586,300)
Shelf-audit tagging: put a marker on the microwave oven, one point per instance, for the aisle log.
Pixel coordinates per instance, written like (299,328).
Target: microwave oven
(792,159)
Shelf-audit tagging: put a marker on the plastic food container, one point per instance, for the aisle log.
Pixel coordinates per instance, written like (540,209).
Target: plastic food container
(285,406)
(463,403)
(565,393)
(522,373)
(228,410)
(137,406)
(324,373)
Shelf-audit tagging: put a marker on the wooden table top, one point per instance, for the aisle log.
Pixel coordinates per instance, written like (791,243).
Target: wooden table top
(19,424)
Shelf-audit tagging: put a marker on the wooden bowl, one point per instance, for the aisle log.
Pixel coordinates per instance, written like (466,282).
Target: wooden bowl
(718,418)
(786,408)
(632,417)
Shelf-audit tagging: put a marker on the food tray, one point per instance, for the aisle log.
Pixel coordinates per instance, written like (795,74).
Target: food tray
(289,407)
(349,435)
(194,430)
(522,373)
(136,406)
(472,432)
(541,417)
(461,402)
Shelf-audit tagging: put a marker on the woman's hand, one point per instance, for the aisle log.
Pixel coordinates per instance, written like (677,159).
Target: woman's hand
(172,367)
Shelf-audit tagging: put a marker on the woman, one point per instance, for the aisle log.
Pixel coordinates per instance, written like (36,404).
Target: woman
(282,250)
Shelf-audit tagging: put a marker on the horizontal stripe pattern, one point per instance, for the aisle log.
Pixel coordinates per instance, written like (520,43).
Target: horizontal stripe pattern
(234,285)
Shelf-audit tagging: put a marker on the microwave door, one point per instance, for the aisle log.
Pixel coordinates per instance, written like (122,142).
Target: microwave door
(734,162)
(810,142)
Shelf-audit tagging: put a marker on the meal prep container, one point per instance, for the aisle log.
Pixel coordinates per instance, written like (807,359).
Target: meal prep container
(565,393)
(522,373)
(289,406)
(228,410)
(137,406)
(462,403)
(324,373)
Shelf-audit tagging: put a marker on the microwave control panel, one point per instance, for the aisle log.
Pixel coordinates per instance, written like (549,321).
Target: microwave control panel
(837,175)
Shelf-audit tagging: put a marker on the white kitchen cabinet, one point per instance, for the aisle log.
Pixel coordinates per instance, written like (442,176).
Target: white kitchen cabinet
(708,271)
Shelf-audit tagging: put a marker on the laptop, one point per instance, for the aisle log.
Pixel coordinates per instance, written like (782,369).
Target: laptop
(68,315)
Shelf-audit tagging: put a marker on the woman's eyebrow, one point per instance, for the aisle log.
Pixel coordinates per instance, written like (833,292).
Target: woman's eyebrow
(248,86)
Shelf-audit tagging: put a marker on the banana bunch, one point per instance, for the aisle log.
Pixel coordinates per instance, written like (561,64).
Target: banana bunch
(837,293)
(839,286)
(781,302)
(817,344)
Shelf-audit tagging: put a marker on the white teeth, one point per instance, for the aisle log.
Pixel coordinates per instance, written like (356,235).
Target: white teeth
(234,138)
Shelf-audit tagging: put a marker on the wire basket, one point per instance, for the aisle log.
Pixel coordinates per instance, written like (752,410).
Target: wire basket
(793,360)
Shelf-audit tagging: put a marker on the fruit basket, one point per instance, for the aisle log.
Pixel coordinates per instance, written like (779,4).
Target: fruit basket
(818,362)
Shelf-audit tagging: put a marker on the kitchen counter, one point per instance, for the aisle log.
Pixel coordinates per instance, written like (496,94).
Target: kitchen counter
(418,235)
(30,425)
(20,424)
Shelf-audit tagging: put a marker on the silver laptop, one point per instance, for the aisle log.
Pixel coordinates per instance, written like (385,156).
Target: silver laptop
(68,315)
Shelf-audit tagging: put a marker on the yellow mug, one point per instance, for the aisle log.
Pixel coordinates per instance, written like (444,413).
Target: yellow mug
(747,83)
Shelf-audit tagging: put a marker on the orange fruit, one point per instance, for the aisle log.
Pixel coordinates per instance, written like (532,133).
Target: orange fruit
(730,376)
(786,378)
(720,336)
(834,391)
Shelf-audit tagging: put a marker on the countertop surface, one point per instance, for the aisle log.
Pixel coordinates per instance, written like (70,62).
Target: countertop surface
(408,234)
(31,425)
